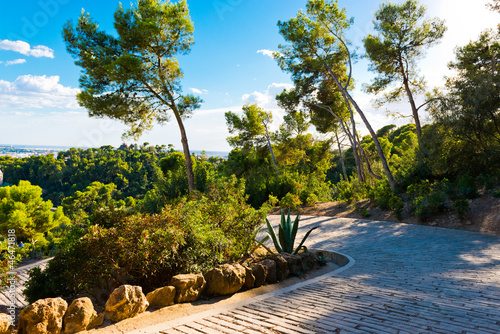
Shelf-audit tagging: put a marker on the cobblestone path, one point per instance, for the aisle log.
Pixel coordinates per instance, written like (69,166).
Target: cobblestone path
(406,279)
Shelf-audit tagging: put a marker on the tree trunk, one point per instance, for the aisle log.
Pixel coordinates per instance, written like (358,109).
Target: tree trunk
(387,171)
(341,156)
(368,166)
(187,154)
(414,110)
(357,160)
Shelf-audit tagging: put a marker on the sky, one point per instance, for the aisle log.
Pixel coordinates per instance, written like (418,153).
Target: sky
(229,65)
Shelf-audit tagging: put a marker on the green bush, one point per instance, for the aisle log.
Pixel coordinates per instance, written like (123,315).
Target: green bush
(397,205)
(382,194)
(290,201)
(467,188)
(429,205)
(311,199)
(147,250)
(419,189)
(461,208)
(497,194)
(344,191)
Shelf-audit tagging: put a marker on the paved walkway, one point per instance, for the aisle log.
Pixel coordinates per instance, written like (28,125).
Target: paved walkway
(23,277)
(406,279)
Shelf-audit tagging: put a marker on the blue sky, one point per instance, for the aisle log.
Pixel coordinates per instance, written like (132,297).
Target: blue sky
(228,67)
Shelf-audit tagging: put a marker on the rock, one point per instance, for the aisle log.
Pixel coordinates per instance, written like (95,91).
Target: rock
(282,270)
(5,321)
(125,302)
(271,270)
(225,279)
(79,316)
(188,287)
(45,316)
(249,279)
(310,260)
(294,262)
(161,297)
(260,273)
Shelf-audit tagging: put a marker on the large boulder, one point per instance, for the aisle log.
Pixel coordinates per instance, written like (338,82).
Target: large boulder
(310,260)
(5,323)
(249,278)
(161,297)
(45,316)
(282,270)
(259,273)
(225,279)
(271,270)
(188,287)
(125,302)
(294,262)
(81,316)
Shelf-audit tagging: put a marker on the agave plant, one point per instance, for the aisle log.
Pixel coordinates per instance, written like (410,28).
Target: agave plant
(285,240)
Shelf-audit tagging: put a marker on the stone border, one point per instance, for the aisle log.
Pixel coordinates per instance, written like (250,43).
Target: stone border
(343,260)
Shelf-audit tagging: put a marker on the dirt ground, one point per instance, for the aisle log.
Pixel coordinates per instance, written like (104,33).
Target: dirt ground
(484,214)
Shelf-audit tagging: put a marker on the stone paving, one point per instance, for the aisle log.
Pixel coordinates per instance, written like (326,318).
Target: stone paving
(23,277)
(406,279)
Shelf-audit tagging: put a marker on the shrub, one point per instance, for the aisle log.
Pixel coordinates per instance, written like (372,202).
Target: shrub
(467,188)
(344,191)
(290,201)
(419,189)
(397,205)
(461,208)
(429,205)
(382,194)
(147,250)
(311,199)
(496,194)
(273,200)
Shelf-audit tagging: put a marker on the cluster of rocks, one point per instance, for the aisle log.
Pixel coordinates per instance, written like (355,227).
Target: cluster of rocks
(52,315)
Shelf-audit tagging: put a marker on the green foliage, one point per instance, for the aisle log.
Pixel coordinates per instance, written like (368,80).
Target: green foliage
(94,204)
(382,194)
(311,200)
(290,201)
(403,36)
(287,231)
(344,191)
(467,188)
(397,205)
(131,171)
(249,129)
(23,209)
(191,236)
(429,205)
(136,77)
(467,114)
(461,208)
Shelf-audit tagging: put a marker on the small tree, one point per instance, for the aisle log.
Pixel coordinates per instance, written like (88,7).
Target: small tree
(394,52)
(250,129)
(23,209)
(135,77)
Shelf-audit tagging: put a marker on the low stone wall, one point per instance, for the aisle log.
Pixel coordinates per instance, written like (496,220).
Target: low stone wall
(52,315)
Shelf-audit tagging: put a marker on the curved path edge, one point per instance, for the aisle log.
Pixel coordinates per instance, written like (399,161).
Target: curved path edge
(343,260)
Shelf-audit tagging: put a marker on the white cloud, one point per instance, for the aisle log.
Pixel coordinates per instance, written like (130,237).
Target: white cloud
(267,99)
(266,52)
(199,91)
(15,62)
(25,49)
(31,91)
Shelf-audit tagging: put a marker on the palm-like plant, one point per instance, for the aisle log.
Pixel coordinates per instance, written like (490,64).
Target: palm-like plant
(285,240)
